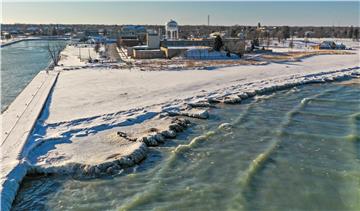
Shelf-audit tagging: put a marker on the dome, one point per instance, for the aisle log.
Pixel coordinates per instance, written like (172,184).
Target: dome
(171,24)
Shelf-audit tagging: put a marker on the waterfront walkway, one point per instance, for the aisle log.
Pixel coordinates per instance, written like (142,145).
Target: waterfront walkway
(17,123)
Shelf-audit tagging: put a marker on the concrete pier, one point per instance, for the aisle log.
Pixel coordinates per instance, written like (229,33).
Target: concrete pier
(17,124)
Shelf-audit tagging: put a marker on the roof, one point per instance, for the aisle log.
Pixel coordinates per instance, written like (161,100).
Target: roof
(187,47)
(171,24)
(133,28)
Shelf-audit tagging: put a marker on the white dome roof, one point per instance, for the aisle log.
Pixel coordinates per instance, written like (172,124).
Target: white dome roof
(171,24)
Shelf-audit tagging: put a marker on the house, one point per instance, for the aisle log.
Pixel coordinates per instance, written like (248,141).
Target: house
(133,31)
(327,45)
(92,32)
(330,45)
(215,34)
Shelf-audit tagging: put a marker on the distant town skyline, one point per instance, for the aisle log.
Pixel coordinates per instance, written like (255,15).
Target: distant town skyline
(306,13)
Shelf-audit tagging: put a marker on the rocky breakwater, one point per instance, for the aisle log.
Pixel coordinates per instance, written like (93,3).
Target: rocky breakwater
(104,153)
(242,92)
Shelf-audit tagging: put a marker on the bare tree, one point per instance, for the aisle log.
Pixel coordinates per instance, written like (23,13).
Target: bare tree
(97,47)
(268,42)
(54,52)
(291,44)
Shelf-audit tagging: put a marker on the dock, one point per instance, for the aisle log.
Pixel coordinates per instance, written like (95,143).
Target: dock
(18,122)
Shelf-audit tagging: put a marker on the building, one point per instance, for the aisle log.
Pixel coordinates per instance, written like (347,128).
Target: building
(175,47)
(172,46)
(133,31)
(149,51)
(128,41)
(215,34)
(92,32)
(171,30)
(153,40)
(147,54)
(330,45)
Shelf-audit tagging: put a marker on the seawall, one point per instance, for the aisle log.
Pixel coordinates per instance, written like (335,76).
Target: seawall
(20,119)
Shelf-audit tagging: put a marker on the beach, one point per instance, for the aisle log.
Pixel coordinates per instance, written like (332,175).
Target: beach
(90,104)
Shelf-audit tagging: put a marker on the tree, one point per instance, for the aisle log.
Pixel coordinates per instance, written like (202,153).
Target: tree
(351,32)
(218,43)
(97,47)
(54,32)
(228,52)
(279,37)
(307,35)
(268,42)
(291,43)
(54,52)
(356,34)
(233,33)
(345,33)
(267,38)
(285,30)
(254,44)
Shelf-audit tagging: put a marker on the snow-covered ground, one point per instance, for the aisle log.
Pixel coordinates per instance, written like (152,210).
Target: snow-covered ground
(92,92)
(88,102)
(75,56)
(299,44)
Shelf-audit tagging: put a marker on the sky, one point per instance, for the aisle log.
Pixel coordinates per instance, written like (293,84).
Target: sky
(292,13)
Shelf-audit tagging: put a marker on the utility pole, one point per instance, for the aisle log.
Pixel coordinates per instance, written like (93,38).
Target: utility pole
(208,20)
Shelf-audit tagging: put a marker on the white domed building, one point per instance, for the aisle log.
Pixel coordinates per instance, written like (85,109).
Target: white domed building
(171,30)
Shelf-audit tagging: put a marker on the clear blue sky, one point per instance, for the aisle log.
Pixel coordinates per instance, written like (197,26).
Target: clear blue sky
(337,13)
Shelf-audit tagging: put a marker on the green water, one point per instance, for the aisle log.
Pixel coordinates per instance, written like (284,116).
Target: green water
(20,62)
(293,150)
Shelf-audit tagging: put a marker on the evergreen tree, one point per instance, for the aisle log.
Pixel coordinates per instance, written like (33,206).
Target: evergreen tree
(218,44)
(285,32)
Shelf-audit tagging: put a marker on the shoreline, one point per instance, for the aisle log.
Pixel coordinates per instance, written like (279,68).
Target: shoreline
(173,111)
(180,121)
(109,168)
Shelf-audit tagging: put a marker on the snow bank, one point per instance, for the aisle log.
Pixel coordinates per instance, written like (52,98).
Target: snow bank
(208,54)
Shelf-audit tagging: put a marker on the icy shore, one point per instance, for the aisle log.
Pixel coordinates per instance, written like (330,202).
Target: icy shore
(97,121)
